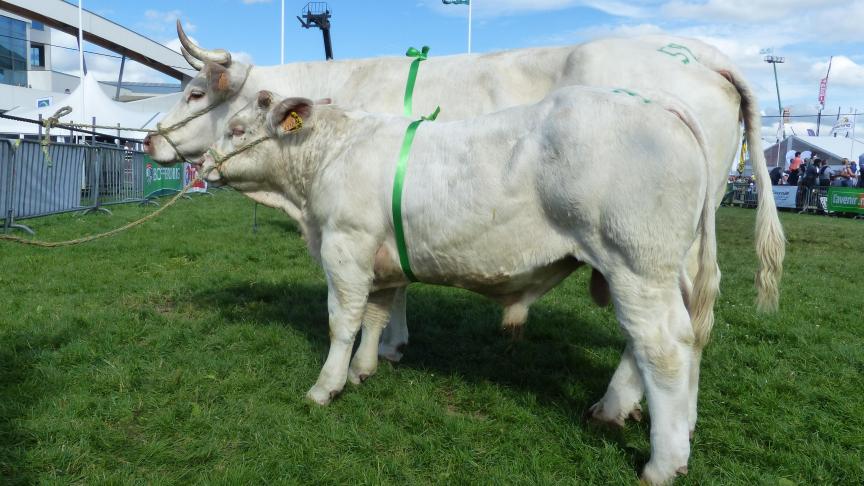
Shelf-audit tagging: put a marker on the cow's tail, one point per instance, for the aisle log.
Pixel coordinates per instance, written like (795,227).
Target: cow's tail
(706,285)
(770,242)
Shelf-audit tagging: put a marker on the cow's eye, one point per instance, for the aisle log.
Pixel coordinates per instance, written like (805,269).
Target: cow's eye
(196,95)
(238,131)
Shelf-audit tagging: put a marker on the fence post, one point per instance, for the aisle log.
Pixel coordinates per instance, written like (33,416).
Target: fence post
(97,164)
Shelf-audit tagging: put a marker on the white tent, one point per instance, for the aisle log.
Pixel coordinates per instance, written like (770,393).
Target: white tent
(832,149)
(96,104)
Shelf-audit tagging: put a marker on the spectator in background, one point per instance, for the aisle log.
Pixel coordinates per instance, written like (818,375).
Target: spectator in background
(776,175)
(808,181)
(826,173)
(861,171)
(794,167)
(854,168)
(844,179)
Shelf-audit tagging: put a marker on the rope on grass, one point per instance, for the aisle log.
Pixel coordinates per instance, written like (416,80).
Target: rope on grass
(85,239)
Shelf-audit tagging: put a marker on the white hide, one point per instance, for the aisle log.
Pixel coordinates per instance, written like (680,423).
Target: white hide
(506,205)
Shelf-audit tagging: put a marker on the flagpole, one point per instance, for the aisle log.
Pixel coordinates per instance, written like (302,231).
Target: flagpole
(81,57)
(470,5)
(282,36)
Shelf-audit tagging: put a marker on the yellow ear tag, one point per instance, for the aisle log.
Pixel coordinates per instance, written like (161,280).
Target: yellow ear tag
(292,122)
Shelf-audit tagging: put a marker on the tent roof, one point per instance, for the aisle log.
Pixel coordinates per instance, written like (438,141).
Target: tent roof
(96,104)
(837,147)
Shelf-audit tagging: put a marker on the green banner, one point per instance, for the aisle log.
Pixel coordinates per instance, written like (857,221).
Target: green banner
(160,180)
(846,200)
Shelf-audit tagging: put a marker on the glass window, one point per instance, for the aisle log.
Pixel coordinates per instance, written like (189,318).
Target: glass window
(37,25)
(13,51)
(37,55)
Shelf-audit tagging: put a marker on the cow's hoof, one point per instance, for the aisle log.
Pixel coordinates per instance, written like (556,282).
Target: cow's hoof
(654,475)
(636,413)
(516,332)
(391,353)
(320,395)
(357,377)
(598,413)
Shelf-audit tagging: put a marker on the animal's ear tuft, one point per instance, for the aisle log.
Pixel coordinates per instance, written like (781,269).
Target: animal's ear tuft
(265,98)
(289,115)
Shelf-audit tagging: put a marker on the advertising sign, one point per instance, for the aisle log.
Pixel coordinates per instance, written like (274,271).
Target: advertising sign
(190,172)
(842,128)
(784,196)
(44,102)
(846,200)
(160,180)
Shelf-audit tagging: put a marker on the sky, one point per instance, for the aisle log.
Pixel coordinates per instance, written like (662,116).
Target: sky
(805,32)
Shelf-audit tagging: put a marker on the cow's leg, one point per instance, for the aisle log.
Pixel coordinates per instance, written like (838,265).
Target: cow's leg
(623,394)
(625,390)
(395,335)
(349,279)
(653,315)
(365,361)
(694,390)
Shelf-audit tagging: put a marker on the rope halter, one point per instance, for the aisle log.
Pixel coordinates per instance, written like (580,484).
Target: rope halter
(220,159)
(164,131)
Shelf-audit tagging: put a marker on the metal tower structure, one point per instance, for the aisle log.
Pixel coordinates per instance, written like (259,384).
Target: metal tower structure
(317,14)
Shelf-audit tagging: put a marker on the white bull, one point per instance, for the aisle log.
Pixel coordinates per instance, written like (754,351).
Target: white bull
(465,86)
(507,205)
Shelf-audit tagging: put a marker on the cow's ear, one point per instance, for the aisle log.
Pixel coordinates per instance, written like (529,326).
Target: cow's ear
(219,78)
(289,115)
(265,99)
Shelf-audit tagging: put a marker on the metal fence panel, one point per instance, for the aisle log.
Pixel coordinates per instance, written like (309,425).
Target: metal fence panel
(6,170)
(40,187)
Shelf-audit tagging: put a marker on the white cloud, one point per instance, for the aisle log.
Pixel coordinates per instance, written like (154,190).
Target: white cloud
(159,22)
(745,11)
(501,8)
(844,72)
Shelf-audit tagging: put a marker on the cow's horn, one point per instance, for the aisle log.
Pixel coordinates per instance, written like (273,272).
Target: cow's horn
(219,56)
(192,60)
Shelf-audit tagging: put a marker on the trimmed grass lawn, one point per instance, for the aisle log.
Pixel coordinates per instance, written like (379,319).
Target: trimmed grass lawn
(180,352)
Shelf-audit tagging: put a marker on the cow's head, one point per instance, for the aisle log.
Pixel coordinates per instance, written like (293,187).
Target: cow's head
(193,124)
(248,154)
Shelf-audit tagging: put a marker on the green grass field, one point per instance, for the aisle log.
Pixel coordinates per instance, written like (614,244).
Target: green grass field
(181,351)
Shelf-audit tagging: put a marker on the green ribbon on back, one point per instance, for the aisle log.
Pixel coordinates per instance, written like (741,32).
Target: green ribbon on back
(420,55)
(399,185)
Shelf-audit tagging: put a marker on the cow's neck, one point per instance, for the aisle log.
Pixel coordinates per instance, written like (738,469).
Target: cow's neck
(307,153)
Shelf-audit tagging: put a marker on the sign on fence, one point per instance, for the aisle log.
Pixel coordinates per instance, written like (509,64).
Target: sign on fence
(846,200)
(191,172)
(160,180)
(784,196)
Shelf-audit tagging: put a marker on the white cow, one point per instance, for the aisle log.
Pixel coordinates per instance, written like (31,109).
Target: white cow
(465,86)
(506,205)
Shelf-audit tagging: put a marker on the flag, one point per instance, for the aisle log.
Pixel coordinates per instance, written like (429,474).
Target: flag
(823,88)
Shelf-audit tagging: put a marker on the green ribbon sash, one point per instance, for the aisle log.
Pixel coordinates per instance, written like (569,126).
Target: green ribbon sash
(419,56)
(399,186)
